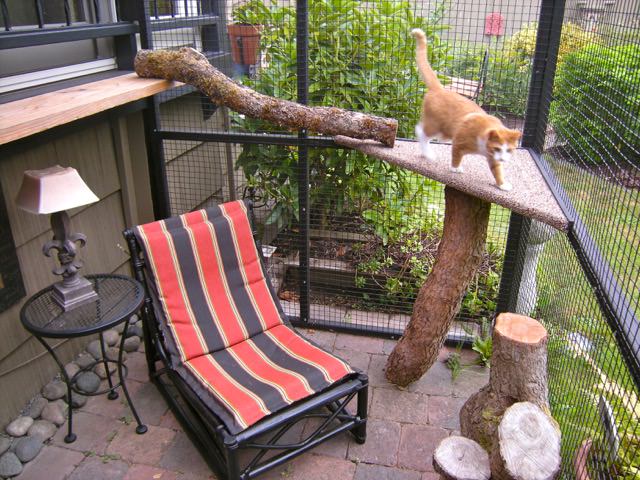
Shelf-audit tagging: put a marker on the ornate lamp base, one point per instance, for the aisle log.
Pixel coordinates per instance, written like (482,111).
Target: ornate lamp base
(72,296)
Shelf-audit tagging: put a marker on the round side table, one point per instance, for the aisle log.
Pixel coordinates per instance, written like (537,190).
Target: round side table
(118,298)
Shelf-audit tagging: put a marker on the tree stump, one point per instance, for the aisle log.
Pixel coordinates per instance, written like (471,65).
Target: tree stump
(190,66)
(518,374)
(459,458)
(459,255)
(529,445)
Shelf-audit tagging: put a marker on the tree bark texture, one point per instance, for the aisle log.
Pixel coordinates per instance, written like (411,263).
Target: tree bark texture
(459,458)
(438,301)
(189,66)
(518,374)
(529,445)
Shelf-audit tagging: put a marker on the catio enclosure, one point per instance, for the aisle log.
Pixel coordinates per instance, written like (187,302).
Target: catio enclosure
(350,239)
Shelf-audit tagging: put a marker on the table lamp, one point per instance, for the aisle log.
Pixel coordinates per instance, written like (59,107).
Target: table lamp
(54,190)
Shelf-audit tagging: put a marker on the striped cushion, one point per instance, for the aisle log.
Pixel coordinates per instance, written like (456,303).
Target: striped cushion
(209,278)
(224,327)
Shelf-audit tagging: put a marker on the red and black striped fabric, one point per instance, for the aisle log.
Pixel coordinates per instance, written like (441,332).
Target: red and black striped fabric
(228,340)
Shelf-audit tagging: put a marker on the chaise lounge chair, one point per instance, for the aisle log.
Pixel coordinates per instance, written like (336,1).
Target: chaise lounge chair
(220,348)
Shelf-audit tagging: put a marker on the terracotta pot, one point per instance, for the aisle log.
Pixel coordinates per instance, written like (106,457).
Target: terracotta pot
(245,43)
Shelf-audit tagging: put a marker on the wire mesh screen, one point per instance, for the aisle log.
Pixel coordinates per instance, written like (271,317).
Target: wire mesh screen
(374,228)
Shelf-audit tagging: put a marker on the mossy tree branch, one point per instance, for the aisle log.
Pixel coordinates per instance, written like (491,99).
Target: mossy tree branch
(189,66)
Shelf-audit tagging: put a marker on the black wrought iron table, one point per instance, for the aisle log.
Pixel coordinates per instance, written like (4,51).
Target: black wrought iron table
(118,298)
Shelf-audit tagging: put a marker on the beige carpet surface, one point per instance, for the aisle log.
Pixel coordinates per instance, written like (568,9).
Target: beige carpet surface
(530,196)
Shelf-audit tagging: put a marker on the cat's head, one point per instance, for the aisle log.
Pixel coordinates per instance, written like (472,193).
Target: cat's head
(501,142)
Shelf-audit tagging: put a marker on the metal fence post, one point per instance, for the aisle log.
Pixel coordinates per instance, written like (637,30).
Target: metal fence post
(534,132)
(302,51)
(151,114)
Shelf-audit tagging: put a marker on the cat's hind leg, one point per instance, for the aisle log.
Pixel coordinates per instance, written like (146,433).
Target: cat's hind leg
(425,143)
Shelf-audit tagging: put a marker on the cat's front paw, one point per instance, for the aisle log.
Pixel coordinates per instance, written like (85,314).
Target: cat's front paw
(456,169)
(506,186)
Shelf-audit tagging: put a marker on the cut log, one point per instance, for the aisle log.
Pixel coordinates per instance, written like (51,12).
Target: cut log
(438,300)
(518,374)
(189,66)
(459,458)
(581,459)
(529,445)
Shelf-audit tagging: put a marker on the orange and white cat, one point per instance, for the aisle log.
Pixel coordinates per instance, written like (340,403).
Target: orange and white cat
(449,116)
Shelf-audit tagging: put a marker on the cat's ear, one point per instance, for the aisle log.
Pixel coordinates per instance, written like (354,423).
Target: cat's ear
(493,135)
(515,135)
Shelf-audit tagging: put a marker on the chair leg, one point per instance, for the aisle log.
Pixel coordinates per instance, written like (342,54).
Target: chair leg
(360,432)
(233,468)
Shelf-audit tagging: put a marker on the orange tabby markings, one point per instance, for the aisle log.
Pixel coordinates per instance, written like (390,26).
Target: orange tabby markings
(449,116)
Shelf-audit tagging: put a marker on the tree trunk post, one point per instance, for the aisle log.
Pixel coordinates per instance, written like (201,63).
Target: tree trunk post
(518,374)
(190,66)
(459,458)
(438,301)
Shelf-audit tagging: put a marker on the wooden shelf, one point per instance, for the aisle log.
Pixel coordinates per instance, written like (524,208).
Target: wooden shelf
(26,117)
(530,196)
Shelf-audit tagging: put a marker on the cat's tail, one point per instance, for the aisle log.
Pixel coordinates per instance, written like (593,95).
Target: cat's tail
(427,73)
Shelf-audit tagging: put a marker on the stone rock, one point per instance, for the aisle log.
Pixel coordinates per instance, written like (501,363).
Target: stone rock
(133,319)
(55,412)
(110,337)
(35,407)
(119,328)
(102,372)
(88,382)
(27,448)
(10,465)
(42,429)
(71,369)
(94,349)
(131,344)
(54,390)
(85,360)
(134,330)
(5,443)
(78,400)
(19,426)
(113,352)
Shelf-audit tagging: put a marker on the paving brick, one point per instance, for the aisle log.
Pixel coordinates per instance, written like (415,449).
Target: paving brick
(381,447)
(359,343)
(137,367)
(313,467)
(417,444)
(101,405)
(93,433)
(52,462)
(388,346)
(100,468)
(148,448)
(183,457)
(377,472)
(445,412)
(149,403)
(336,447)
(170,421)
(430,476)
(324,338)
(146,472)
(359,360)
(400,406)
(437,381)
(376,372)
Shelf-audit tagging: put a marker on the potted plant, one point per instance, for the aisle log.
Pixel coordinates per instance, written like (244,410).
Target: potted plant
(244,33)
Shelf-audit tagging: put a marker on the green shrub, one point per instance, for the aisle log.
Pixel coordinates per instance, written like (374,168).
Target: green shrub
(361,57)
(596,108)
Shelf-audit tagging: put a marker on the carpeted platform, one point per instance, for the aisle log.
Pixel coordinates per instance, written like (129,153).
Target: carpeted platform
(530,196)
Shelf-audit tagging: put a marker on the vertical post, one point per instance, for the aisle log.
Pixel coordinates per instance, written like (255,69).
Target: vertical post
(302,46)
(543,73)
(535,127)
(126,45)
(151,115)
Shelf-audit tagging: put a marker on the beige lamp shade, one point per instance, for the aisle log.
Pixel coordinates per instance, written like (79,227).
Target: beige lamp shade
(53,189)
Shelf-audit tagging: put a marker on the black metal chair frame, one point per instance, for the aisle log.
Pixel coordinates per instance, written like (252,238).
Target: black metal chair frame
(221,449)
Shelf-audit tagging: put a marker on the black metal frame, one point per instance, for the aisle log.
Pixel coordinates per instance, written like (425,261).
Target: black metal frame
(221,449)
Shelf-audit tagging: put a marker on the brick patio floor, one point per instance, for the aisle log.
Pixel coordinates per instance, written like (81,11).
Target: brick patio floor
(404,428)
